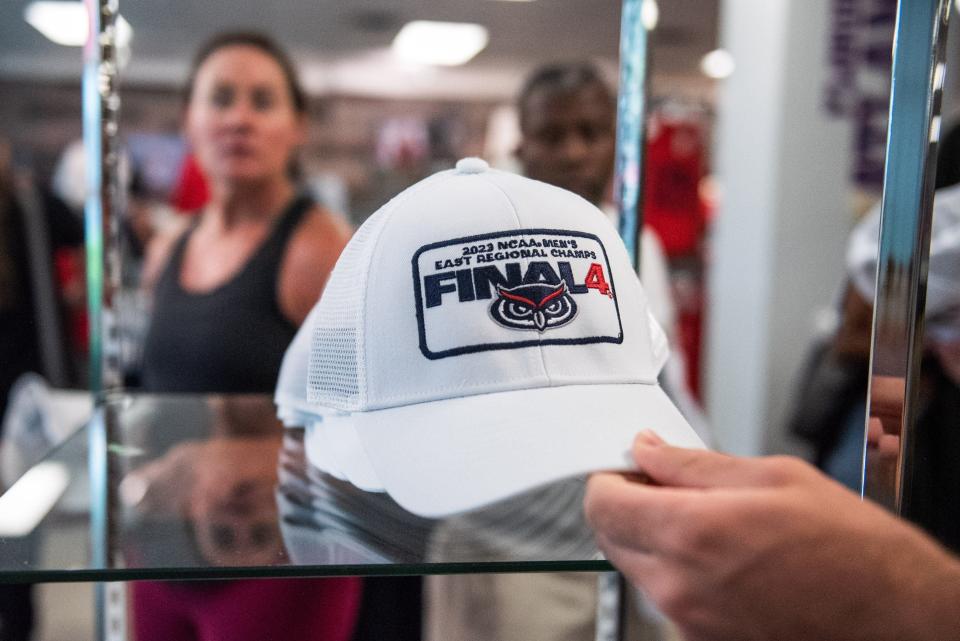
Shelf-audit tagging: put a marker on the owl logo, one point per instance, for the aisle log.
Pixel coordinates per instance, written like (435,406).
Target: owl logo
(538,306)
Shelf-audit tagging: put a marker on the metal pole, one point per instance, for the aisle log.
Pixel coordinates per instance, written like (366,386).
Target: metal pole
(628,186)
(906,217)
(631,126)
(101,104)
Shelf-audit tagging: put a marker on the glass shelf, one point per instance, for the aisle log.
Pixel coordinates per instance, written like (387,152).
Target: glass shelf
(213,487)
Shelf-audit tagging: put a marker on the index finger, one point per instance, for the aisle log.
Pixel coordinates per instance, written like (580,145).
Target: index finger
(702,469)
(632,514)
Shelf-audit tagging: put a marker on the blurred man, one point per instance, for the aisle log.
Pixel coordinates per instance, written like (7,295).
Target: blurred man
(567,117)
(568,125)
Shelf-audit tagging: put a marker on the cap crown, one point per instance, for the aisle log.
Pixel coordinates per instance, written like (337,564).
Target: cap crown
(478,282)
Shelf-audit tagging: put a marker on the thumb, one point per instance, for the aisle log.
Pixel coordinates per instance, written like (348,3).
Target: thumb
(681,467)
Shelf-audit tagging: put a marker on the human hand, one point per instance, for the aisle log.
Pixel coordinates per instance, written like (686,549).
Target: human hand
(768,548)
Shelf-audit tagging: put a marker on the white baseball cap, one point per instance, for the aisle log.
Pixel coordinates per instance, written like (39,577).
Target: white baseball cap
(290,395)
(339,452)
(336,452)
(318,453)
(485,334)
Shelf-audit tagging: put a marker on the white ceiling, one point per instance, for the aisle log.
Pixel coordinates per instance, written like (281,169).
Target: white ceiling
(342,45)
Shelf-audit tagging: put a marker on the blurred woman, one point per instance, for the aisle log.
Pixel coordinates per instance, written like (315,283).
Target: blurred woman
(229,291)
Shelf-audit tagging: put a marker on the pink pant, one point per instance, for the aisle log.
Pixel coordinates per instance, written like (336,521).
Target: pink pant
(246,609)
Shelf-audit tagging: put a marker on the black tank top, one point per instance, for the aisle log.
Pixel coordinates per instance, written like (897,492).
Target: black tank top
(230,339)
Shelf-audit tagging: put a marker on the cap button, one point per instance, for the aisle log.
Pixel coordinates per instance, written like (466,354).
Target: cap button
(472,166)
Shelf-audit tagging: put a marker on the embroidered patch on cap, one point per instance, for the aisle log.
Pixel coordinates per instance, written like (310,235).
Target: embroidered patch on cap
(514,289)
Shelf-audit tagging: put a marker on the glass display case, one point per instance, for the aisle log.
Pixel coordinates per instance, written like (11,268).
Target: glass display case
(166,486)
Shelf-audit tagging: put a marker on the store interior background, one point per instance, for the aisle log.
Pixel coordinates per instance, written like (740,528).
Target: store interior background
(781,193)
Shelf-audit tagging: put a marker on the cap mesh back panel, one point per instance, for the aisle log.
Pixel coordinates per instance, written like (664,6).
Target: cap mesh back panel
(336,377)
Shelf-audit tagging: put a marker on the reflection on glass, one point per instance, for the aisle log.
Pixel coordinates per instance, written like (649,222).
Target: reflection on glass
(931,486)
(223,490)
(904,234)
(57,538)
(187,473)
(213,487)
(883,437)
(216,482)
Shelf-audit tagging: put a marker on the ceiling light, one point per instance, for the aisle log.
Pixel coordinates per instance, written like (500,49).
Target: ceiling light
(717,64)
(62,22)
(649,14)
(65,23)
(439,43)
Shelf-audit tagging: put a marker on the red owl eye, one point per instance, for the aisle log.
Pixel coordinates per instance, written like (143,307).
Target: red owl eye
(523,300)
(551,296)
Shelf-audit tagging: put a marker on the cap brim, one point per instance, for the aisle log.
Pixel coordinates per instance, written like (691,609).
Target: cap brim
(445,457)
(318,453)
(290,395)
(292,417)
(343,446)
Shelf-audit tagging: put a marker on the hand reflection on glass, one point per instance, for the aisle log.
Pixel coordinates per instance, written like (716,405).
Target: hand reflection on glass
(887,394)
(222,487)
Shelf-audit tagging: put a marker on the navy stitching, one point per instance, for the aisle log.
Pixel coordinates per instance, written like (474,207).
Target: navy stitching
(482,347)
